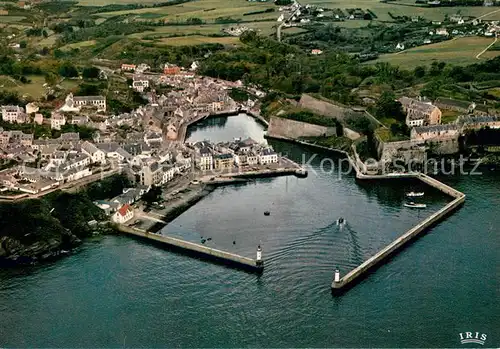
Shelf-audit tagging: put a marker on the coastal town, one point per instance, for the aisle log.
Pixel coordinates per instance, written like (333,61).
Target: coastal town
(147,145)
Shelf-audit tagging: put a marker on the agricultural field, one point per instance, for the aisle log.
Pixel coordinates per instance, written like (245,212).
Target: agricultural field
(11,19)
(204,30)
(80,44)
(206,10)
(34,89)
(459,51)
(407,8)
(191,40)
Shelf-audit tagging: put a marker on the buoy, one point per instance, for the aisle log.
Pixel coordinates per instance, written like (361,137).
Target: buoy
(337,275)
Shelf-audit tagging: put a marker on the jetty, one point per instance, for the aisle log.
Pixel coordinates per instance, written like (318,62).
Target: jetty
(340,285)
(223,257)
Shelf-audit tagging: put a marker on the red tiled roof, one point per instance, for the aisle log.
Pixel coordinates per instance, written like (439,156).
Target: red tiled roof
(124,209)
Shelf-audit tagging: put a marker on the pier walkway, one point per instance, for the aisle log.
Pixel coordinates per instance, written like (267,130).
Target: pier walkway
(223,257)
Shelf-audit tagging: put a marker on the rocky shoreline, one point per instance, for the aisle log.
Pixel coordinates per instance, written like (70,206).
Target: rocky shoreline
(14,253)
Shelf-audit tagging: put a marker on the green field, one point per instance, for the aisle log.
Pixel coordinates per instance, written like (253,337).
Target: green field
(461,51)
(382,9)
(265,28)
(80,44)
(11,19)
(198,39)
(34,89)
(207,10)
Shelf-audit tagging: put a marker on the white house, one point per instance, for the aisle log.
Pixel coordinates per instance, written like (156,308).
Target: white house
(31,108)
(75,103)
(205,160)
(168,173)
(139,84)
(57,121)
(38,119)
(12,114)
(124,214)
(268,156)
(97,155)
(442,31)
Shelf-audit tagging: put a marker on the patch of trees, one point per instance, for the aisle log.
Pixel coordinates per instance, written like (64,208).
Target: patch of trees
(37,32)
(91,73)
(55,7)
(238,95)
(224,20)
(108,28)
(132,102)
(9,98)
(108,188)
(125,7)
(68,70)
(388,107)
(259,12)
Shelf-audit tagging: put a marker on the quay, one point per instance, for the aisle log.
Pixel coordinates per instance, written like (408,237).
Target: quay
(226,258)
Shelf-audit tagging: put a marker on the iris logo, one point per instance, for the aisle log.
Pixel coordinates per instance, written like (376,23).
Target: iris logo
(473,337)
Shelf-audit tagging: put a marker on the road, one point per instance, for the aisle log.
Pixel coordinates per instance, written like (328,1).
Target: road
(487,14)
(487,48)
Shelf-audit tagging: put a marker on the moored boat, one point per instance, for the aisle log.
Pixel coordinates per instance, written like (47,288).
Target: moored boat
(413,194)
(414,205)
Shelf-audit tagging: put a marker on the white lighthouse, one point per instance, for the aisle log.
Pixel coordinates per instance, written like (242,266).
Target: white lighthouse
(259,255)
(337,275)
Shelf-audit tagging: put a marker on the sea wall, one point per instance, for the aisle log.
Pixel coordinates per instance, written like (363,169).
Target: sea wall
(406,151)
(323,108)
(292,129)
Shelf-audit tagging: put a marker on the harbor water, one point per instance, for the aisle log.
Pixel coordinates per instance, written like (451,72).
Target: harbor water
(117,291)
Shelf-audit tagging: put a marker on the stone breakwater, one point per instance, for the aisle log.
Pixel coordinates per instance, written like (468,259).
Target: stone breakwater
(357,273)
(340,285)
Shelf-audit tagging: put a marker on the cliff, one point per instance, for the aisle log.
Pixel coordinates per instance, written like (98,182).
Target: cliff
(41,229)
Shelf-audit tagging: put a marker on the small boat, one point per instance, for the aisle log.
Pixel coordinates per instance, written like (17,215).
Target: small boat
(413,194)
(267,213)
(414,205)
(341,221)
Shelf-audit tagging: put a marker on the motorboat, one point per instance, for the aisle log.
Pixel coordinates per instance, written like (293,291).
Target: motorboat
(414,205)
(413,194)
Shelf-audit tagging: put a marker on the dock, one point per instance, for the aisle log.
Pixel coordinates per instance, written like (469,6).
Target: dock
(223,257)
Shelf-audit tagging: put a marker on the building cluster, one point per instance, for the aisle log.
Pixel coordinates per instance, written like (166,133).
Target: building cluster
(424,115)
(228,155)
(193,99)
(419,113)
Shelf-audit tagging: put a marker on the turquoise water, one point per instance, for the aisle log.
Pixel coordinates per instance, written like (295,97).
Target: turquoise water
(116,291)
